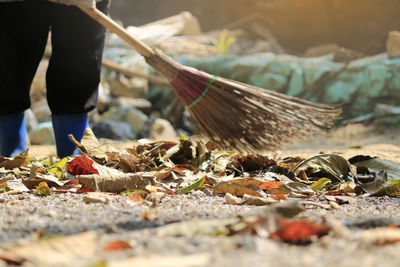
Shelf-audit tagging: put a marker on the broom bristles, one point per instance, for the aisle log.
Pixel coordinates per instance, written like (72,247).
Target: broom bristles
(244,117)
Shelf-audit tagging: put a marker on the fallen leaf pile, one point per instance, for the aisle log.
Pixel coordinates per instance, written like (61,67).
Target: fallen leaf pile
(149,172)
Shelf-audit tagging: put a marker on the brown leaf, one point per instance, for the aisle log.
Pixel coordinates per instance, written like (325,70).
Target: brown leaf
(164,174)
(33,183)
(246,181)
(16,162)
(237,189)
(94,148)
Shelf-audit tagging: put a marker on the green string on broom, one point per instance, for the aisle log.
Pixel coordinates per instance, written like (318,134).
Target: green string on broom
(212,79)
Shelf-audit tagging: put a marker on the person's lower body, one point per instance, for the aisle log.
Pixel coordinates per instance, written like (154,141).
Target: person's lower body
(72,77)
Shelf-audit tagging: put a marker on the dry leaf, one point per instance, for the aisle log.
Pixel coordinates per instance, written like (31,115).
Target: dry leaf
(116,183)
(16,162)
(380,236)
(237,189)
(43,189)
(60,251)
(94,148)
(270,185)
(248,200)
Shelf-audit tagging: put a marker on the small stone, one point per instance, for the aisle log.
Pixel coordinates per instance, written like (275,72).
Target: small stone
(113,130)
(162,130)
(155,197)
(95,198)
(136,119)
(198,194)
(128,102)
(2,200)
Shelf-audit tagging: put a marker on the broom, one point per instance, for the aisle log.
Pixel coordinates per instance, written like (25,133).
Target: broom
(233,114)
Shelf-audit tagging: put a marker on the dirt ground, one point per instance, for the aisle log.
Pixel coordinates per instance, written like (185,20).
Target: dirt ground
(25,217)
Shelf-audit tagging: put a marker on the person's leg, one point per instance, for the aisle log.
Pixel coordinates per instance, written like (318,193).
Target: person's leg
(23,36)
(74,71)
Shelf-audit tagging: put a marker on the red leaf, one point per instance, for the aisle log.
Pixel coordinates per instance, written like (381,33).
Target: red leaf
(270,185)
(117,245)
(186,166)
(84,189)
(81,165)
(73,182)
(338,193)
(177,170)
(299,231)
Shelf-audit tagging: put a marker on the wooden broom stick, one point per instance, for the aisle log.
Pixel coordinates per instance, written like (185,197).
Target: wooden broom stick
(111,25)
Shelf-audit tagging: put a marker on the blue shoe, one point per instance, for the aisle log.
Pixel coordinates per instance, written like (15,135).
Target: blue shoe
(64,125)
(12,135)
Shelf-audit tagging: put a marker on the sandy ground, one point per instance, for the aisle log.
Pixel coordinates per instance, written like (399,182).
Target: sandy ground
(24,217)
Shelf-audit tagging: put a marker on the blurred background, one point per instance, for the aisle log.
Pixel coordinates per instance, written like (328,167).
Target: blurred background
(356,24)
(343,52)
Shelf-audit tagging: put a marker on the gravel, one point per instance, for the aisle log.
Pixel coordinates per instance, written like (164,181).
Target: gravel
(25,217)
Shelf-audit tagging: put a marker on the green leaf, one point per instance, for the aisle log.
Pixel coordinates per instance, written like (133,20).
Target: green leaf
(59,165)
(320,184)
(392,190)
(193,186)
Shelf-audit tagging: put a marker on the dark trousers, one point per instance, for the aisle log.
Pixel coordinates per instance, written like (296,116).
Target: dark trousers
(73,74)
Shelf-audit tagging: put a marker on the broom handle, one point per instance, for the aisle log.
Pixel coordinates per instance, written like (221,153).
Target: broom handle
(114,27)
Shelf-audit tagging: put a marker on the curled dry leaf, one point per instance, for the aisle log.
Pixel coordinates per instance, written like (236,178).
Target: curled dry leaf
(43,189)
(330,165)
(116,183)
(16,162)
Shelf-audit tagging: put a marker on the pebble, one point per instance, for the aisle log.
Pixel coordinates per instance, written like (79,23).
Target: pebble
(95,198)
(64,214)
